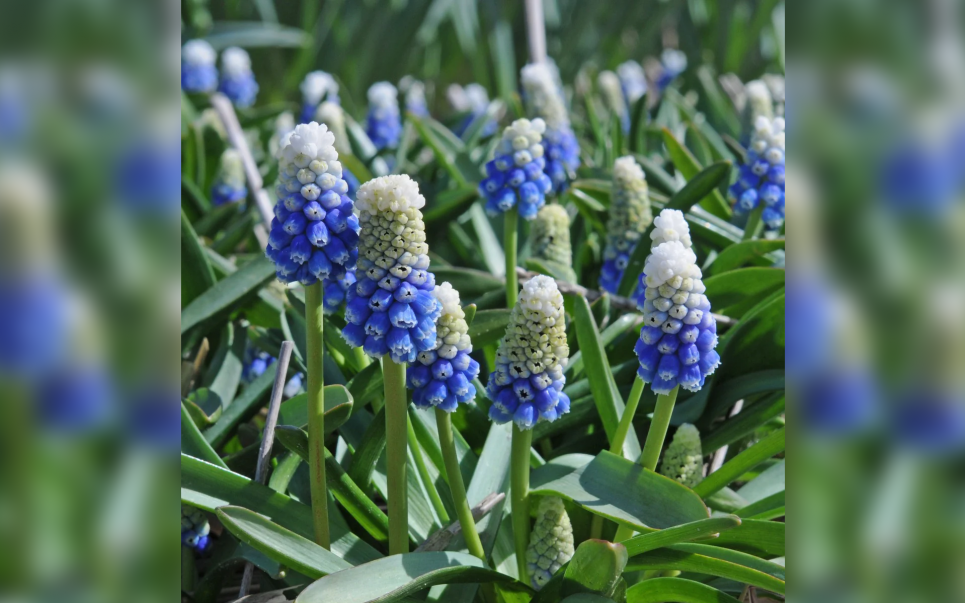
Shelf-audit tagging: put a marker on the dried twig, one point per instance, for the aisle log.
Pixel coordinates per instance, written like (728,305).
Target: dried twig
(440,540)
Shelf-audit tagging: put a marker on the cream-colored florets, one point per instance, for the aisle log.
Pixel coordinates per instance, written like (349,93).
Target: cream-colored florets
(535,341)
(330,114)
(235,61)
(522,139)
(308,162)
(543,96)
(452,331)
(627,171)
(670,261)
(198,52)
(768,139)
(316,85)
(550,542)
(609,84)
(550,235)
(759,100)
(232,168)
(397,193)
(683,461)
(670,225)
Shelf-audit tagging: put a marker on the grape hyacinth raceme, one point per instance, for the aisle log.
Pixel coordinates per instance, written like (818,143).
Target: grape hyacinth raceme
(331,114)
(229,187)
(472,99)
(630,216)
(237,80)
(318,86)
(442,376)
(383,124)
(761,179)
(633,81)
(550,235)
(527,385)
(314,235)
(195,529)
(336,290)
(550,543)
(515,176)
(198,72)
(684,461)
(391,310)
(545,100)
(673,62)
(414,93)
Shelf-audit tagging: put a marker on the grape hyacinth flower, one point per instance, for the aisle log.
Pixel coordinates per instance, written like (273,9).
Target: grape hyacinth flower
(527,385)
(331,115)
(761,179)
(612,91)
(633,81)
(229,187)
(677,341)
(551,542)
(442,376)
(195,529)
(391,310)
(198,72)
(383,124)
(545,100)
(684,460)
(336,290)
(318,86)
(550,241)
(673,63)
(237,80)
(256,363)
(415,96)
(515,176)
(314,235)
(630,216)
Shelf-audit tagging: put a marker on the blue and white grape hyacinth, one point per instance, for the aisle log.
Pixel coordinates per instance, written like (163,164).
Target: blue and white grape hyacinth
(237,79)
(515,177)
(761,179)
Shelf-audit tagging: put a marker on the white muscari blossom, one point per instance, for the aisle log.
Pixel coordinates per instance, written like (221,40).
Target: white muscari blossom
(543,95)
(383,96)
(198,53)
(330,114)
(683,461)
(673,60)
(670,225)
(522,141)
(759,101)
(316,86)
(235,62)
(609,84)
(550,542)
(458,98)
(629,218)
(550,235)
(478,98)
(670,261)
(633,79)
(390,194)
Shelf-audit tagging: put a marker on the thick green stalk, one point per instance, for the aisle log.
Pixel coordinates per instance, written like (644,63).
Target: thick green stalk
(754,225)
(519,491)
(510,241)
(420,464)
(456,485)
(396,427)
(316,411)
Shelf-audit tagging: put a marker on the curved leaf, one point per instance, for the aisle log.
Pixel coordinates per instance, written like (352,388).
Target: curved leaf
(738,286)
(193,443)
(596,567)
(742,253)
(338,408)
(691,560)
(705,528)
(755,537)
(227,292)
(196,273)
(685,162)
(740,464)
(449,205)
(658,590)
(242,408)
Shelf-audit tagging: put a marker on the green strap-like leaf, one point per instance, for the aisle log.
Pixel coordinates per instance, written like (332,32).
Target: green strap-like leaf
(739,254)
(227,292)
(596,567)
(194,444)
(196,273)
(755,537)
(687,164)
(704,528)
(690,559)
(488,326)
(243,407)
(338,408)
(659,590)
(740,464)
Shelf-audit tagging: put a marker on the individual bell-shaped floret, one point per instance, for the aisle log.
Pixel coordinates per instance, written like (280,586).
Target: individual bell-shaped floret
(612,92)
(673,62)
(317,87)
(198,71)
(229,187)
(527,385)
(550,239)
(195,529)
(630,216)
(633,81)
(442,376)
(331,114)
(550,542)
(391,310)
(383,123)
(684,461)
(335,290)
(237,79)
(679,334)
(544,99)
(515,176)
(761,179)
(414,93)
(314,235)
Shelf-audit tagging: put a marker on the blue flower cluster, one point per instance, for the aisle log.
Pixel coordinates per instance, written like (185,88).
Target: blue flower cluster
(316,88)
(562,156)
(415,96)
(474,100)
(391,309)
(633,82)
(673,63)
(442,377)
(677,341)
(545,100)
(229,187)
(198,71)
(237,80)
(195,529)
(314,234)
(515,176)
(383,123)
(527,385)
(256,363)
(335,291)
(761,179)
(630,216)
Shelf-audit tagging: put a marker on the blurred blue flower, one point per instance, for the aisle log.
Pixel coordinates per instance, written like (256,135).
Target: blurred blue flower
(198,71)
(76,399)
(147,177)
(515,177)
(633,82)
(154,419)
(414,93)
(473,100)
(761,179)
(922,181)
(383,123)
(931,422)
(229,186)
(545,100)
(237,80)
(33,327)
(316,88)
(335,291)
(195,529)
(839,401)
(673,62)
(630,216)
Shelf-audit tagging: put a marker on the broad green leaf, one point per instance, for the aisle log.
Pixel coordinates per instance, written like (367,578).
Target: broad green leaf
(657,177)
(740,254)
(755,537)
(659,590)
(698,187)
(224,374)
(194,444)
(450,204)
(727,393)
(770,507)
(638,124)
(704,528)
(755,343)
(625,492)
(607,397)
(555,270)
(279,544)
(688,558)
(227,292)
(590,209)
(769,482)
(366,385)
(620,326)
(208,487)
(721,106)
(491,249)
(685,162)
(726,501)
(728,289)
(369,450)
(596,567)
(204,406)
(488,327)
(196,273)
(396,577)
(338,408)
(242,408)
(770,568)
(600,190)
(587,598)
(740,464)
(256,34)
(745,422)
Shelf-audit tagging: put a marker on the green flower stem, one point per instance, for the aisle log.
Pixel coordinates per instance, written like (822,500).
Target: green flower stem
(316,411)
(420,464)
(519,491)
(396,427)
(360,357)
(456,485)
(752,229)
(510,241)
(654,443)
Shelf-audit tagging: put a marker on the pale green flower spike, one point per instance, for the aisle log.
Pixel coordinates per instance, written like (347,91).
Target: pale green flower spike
(551,235)
(550,543)
(684,461)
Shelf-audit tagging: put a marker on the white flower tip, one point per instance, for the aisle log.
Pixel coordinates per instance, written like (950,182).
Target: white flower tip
(674,59)
(670,225)
(477,96)
(383,94)
(397,193)
(235,61)
(626,169)
(198,53)
(669,260)
(312,140)
(541,290)
(316,85)
(449,298)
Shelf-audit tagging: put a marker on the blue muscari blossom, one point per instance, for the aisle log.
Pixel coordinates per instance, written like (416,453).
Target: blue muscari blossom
(544,99)
(562,156)
(335,291)
(673,62)
(147,177)
(195,529)
(415,96)
(442,377)
(677,341)
(630,216)
(527,385)
(930,421)
(838,400)
(317,87)
(198,71)
(314,234)
(761,179)
(76,399)
(391,310)
(14,107)
(33,325)
(229,186)
(473,100)
(515,176)
(383,123)
(633,82)
(237,80)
